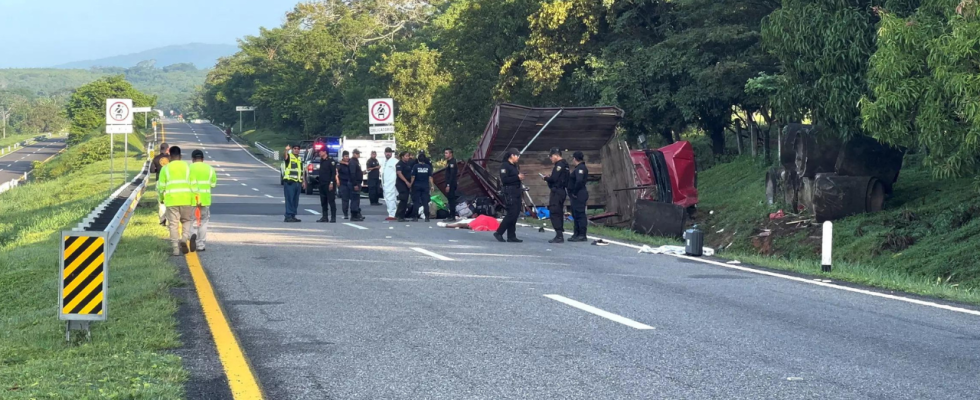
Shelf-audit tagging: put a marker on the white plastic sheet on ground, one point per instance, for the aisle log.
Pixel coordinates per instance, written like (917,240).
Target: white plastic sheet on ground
(673,250)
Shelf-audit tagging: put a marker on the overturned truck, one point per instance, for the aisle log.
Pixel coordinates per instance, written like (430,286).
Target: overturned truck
(622,182)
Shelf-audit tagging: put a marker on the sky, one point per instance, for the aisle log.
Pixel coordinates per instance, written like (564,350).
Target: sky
(44,33)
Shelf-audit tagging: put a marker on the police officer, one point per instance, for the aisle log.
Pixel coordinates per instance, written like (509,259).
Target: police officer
(292,172)
(452,179)
(421,183)
(557,182)
(343,175)
(374,179)
(510,178)
(356,182)
(403,170)
(328,187)
(580,196)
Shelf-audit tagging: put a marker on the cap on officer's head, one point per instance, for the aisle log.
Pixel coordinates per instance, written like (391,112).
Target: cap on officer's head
(388,150)
(554,150)
(579,156)
(356,151)
(197,154)
(175,150)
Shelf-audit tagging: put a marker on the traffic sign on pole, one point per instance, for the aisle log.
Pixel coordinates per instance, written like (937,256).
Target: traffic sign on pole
(381,111)
(142,109)
(244,108)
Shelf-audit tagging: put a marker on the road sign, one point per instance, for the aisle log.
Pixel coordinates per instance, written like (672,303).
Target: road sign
(381,111)
(142,109)
(84,276)
(382,129)
(244,108)
(119,111)
(118,129)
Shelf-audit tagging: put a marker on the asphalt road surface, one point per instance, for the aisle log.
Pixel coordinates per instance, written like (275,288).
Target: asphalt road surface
(15,164)
(378,310)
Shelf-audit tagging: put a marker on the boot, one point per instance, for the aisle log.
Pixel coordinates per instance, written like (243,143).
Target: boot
(176,252)
(183,247)
(323,219)
(499,237)
(194,243)
(559,238)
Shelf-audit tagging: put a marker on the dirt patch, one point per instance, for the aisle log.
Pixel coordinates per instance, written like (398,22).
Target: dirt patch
(766,239)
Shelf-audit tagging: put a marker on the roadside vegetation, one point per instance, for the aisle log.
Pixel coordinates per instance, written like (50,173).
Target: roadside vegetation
(129,355)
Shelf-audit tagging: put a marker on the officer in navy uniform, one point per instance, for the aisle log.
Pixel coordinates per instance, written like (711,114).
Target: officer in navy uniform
(510,178)
(557,182)
(329,181)
(421,184)
(580,197)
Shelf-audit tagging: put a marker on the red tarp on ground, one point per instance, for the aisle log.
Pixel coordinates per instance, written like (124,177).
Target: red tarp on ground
(680,161)
(484,223)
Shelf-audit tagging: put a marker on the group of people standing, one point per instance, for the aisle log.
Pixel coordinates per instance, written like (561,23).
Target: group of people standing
(563,183)
(405,183)
(184,194)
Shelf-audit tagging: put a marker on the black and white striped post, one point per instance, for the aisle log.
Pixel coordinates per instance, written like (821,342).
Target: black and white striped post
(828,244)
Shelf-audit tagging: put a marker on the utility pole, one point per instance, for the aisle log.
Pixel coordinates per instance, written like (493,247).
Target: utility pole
(4,113)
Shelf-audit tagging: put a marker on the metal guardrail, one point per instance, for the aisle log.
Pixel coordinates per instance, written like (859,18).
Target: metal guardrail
(112,215)
(266,151)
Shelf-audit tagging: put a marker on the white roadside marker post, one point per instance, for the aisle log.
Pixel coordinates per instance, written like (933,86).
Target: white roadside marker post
(828,244)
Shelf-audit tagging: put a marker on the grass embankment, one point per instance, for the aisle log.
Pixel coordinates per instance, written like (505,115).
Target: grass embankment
(127,356)
(274,140)
(11,139)
(925,242)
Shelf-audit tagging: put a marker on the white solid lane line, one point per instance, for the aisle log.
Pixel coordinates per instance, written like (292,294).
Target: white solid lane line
(798,279)
(431,254)
(312,212)
(355,226)
(602,313)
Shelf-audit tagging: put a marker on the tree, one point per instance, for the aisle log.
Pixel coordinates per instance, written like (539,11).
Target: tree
(415,78)
(924,88)
(86,107)
(823,48)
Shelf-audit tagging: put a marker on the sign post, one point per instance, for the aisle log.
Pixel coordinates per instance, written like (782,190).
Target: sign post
(381,116)
(118,120)
(241,109)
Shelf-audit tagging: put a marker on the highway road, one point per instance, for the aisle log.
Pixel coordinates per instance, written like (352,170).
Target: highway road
(377,310)
(15,164)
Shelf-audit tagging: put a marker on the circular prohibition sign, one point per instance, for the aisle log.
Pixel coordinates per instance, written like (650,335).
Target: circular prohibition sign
(113,108)
(381,111)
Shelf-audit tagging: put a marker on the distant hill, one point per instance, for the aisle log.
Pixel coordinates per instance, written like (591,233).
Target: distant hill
(203,56)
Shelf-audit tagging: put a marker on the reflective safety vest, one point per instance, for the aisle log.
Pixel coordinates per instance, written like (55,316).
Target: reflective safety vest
(203,180)
(175,184)
(292,169)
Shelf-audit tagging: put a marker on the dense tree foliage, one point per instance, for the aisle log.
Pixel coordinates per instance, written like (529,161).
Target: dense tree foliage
(674,67)
(925,83)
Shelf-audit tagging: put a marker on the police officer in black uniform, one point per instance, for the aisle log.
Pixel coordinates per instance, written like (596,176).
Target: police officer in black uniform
(452,180)
(356,182)
(403,170)
(329,181)
(343,173)
(557,182)
(510,178)
(580,196)
(420,183)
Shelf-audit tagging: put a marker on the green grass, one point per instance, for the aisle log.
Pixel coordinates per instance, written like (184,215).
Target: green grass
(11,139)
(926,241)
(128,355)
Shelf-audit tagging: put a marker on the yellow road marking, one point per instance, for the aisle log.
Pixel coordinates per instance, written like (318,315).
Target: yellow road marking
(163,132)
(241,379)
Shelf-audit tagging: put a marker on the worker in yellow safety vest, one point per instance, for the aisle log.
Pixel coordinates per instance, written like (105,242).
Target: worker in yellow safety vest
(203,179)
(177,193)
(292,172)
